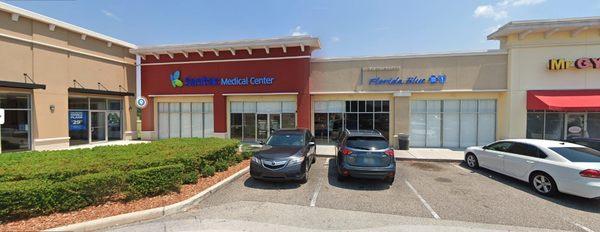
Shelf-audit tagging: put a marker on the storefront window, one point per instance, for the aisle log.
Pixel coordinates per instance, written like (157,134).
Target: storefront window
(553,125)
(452,123)
(185,119)
(321,132)
(535,125)
(97,104)
(16,128)
(554,128)
(94,120)
(252,121)
(331,116)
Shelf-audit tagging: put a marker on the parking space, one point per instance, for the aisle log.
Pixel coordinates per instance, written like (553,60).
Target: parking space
(428,190)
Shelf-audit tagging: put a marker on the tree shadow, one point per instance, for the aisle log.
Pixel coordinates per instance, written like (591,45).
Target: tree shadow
(574,202)
(354,183)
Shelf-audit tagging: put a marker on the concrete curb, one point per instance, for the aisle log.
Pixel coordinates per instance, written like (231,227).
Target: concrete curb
(149,214)
(411,159)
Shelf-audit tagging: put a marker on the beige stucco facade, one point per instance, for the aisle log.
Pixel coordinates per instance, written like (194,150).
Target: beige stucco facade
(473,76)
(528,69)
(61,58)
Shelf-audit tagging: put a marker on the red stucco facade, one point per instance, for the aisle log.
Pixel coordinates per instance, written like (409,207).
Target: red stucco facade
(290,70)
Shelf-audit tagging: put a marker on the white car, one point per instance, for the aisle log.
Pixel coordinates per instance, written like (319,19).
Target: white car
(548,166)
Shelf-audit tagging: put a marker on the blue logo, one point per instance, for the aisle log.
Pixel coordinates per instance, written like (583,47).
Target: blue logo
(414,80)
(175,79)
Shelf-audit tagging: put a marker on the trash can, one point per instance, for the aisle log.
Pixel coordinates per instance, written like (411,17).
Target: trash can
(402,141)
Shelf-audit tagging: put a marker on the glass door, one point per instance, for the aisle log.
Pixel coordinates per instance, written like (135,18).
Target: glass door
(262,130)
(114,125)
(575,125)
(274,123)
(98,126)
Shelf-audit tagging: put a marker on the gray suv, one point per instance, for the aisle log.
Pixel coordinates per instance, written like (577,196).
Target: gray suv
(365,154)
(287,155)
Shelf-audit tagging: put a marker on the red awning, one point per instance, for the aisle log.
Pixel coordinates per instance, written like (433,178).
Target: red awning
(564,100)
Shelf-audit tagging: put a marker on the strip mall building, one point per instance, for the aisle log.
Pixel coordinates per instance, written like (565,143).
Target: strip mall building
(62,85)
(543,82)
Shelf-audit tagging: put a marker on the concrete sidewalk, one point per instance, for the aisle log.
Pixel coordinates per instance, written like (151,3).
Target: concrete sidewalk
(426,154)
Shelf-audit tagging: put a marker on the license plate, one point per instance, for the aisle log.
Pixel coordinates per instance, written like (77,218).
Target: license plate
(369,161)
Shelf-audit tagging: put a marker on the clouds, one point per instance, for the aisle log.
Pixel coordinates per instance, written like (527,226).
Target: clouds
(500,10)
(489,11)
(335,39)
(298,31)
(110,15)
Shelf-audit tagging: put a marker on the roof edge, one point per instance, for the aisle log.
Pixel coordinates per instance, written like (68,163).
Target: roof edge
(541,25)
(45,19)
(288,41)
(416,55)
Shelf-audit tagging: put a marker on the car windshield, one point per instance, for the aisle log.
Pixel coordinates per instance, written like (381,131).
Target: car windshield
(367,143)
(286,140)
(578,154)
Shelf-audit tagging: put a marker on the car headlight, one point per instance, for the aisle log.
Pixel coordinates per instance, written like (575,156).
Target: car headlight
(296,160)
(255,159)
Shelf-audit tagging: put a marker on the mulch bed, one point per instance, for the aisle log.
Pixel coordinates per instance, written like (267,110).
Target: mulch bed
(115,208)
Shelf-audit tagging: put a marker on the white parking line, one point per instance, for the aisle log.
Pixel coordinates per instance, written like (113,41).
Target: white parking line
(313,200)
(582,227)
(433,213)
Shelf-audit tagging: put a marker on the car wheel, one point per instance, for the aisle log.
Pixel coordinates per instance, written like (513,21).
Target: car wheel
(389,180)
(472,161)
(543,184)
(305,176)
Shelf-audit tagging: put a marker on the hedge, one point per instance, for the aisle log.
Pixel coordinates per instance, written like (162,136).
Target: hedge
(153,181)
(38,183)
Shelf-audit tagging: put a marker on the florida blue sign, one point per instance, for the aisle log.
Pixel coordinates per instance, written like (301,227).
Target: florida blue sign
(413,80)
(218,81)
(78,120)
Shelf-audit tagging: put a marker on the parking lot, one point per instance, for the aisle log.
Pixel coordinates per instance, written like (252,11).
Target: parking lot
(429,190)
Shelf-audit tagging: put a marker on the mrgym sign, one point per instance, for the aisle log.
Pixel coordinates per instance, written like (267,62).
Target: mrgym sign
(581,63)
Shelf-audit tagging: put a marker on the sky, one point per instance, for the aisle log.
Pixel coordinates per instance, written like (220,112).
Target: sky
(346,28)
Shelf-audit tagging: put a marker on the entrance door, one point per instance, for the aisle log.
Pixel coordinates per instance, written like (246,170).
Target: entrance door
(98,126)
(114,125)
(575,125)
(262,127)
(274,123)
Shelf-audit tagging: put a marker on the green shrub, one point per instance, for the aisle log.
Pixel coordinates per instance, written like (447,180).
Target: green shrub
(42,182)
(190,177)
(221,165)
(96,188)
(153,181)
(29,198)
(247,154)
(207,170)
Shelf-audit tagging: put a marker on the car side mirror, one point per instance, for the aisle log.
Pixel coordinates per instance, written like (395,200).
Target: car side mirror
(484,147)
(311,143)
(261,142)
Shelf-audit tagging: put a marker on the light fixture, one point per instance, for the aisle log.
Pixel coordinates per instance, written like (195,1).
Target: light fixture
(52,108)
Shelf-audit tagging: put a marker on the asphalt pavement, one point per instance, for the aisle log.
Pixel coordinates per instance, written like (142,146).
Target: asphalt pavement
(426,196)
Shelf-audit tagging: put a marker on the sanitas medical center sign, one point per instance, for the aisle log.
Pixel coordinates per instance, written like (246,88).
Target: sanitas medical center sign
(581,63)
(218,81)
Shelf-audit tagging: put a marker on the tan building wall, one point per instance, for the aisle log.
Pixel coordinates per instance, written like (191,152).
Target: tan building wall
(528,69)
(469,76)
(55,58)
(477,71)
